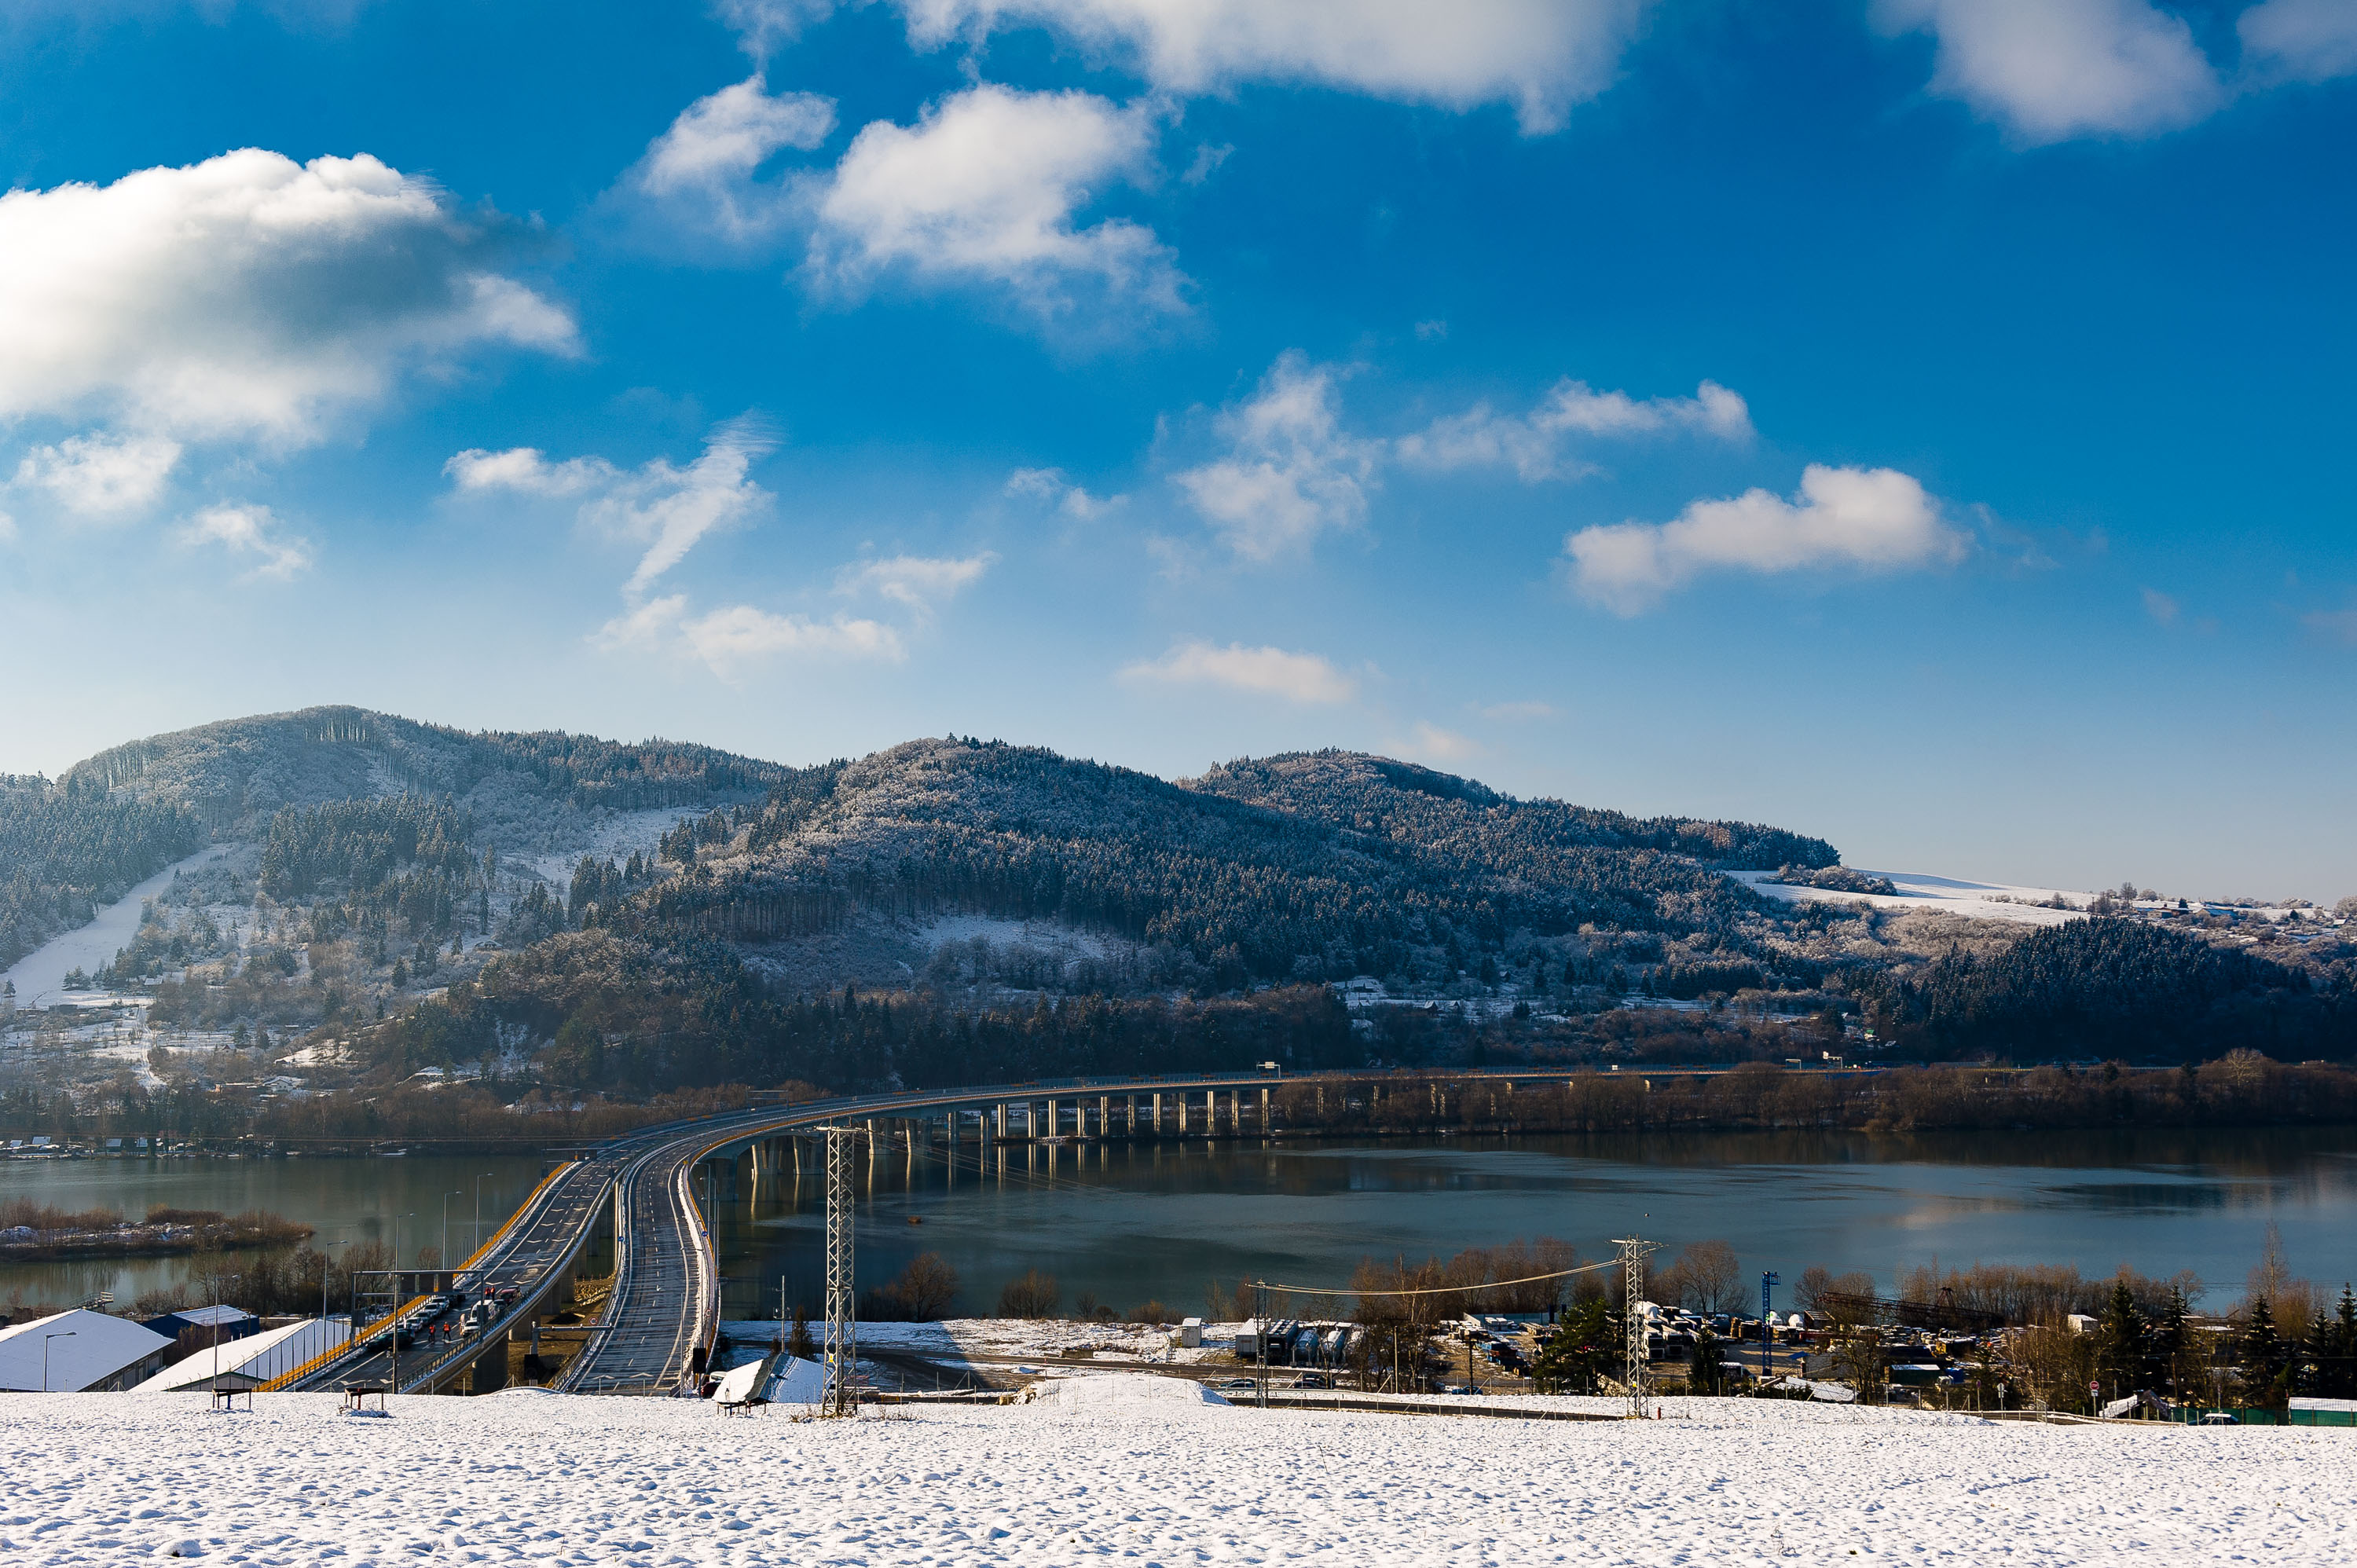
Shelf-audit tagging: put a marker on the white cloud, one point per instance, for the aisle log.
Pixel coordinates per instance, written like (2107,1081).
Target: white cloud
(2054,70)
(1049,486)
(1541,56)
(527,470)
(737,634)
(922,583)
(1267,672)
(1533,443)
(1291,472)
(1429,743)
(250,531)
(98,475)
(763,25)
(666,508)
(247,295)
(700,170)
(983,190)
(2304,40)
(2163,608)
(1877,519)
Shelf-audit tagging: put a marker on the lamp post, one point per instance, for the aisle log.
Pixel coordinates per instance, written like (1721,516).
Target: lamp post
(60,1334)
(479,1211)
(454,1192)
(219,1280)
(395,1383)
(1767,1283)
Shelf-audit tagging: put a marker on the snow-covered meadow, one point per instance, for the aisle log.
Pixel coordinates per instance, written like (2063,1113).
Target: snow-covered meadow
(1142,1470)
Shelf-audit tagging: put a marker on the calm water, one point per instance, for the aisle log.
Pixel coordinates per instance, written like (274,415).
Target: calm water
(363,1199)
(1126,1222)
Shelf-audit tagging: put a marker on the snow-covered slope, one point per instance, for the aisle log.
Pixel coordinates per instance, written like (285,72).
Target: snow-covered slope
(1948,895)
(528,1477)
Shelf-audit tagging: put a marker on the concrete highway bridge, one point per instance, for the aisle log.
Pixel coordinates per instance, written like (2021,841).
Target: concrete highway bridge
(658,1326)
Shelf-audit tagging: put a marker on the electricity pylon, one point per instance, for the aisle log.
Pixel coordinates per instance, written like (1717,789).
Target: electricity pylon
(1633,1295)
(841,1351)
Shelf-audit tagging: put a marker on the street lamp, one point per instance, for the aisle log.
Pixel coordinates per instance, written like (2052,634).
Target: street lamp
(479,1211)
(454,1192)
(60,1334)
(395,1383)
(219,1280)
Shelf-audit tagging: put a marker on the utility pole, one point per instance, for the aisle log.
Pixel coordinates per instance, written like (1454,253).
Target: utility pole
(1260,1336)
(1768,1280)
(842,1350)
(1632,1294)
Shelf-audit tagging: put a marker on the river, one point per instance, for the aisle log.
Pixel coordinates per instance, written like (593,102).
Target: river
(1126,1222)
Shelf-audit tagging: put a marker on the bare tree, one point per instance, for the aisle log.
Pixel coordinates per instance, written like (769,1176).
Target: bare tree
(1033,1295)
(1710,1277)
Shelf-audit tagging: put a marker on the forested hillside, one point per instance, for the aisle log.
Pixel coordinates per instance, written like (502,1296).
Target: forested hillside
(237,774)
(555,915)
(1386,876)
(66,848)
(2109,988)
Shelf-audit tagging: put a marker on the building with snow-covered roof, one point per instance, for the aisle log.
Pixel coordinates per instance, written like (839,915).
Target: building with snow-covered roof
(78,1351)
(256,1359)
(233,1322)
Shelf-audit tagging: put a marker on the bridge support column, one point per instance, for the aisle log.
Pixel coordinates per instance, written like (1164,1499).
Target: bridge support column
(1157,1112)
(1264,1109)
(1181,1097)
(488,1375)
(1104,1115)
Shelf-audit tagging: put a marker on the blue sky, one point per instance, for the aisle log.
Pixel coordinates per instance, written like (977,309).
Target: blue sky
(1922,423)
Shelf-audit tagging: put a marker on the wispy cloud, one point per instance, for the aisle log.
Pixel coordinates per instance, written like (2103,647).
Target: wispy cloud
(250,531)
(2160,607)
(922,583)
(1263,671)
(1051,486)
(1519,713)
(1536,444)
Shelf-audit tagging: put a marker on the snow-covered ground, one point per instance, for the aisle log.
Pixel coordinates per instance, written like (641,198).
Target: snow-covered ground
(1123,1473)
(1978,900)
(40,975)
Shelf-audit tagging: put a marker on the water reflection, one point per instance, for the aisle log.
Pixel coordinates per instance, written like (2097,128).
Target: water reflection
(1126,1222)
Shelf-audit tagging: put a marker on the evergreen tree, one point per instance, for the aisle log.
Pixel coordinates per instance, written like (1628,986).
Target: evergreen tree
(2261,1357)
(2120,1359)
(1707,1376)
(1584,1347)
(2169,1346)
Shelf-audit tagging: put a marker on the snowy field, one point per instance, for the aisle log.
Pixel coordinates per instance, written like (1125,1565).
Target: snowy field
(1947,894)
(1142,1471)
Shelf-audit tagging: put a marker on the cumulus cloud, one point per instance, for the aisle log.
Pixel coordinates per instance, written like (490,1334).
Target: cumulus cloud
(1540,56)
(664,507)
(984,191)
(1291,472)
(2300,40)
(250,531)
(1874,519)
(702,169)
(101,476)
(730,638)
(247,295)
(1050,487)
(1266,671)
(1533,443)
(2053,69)
(922,583)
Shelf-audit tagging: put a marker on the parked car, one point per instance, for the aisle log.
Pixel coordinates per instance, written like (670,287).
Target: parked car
(1236,1383)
